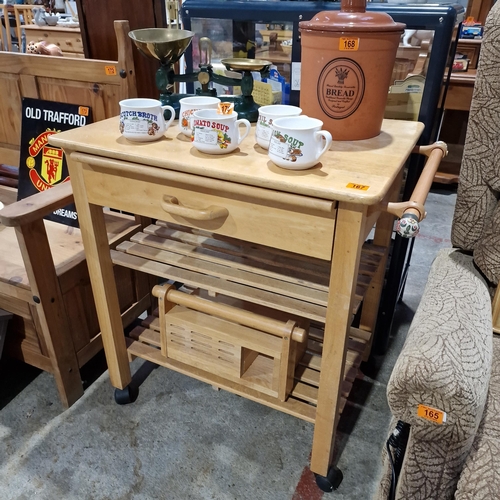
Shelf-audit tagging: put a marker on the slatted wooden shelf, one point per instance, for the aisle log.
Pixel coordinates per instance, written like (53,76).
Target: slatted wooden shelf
(151,353)
(257,278)
(287,282)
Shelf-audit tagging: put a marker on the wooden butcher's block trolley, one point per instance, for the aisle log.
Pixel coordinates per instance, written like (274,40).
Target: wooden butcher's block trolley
(275,263)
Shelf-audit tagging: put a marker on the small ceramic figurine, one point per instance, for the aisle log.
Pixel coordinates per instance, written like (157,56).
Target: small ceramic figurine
(39,13)
(43,48)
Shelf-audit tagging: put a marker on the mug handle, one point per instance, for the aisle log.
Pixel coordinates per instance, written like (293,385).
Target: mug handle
(172,115)
(237,124)
(328,141)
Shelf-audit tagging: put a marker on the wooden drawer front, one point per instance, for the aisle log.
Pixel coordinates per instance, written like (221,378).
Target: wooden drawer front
(280,220)
(69,42)
(23,331)
(21,327)
(459,96)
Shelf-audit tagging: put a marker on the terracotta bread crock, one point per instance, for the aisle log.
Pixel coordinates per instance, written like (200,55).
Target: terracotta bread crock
(347,62)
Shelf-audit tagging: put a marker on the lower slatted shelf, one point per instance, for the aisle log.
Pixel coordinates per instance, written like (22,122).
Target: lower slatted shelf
(304,396)
(292,406)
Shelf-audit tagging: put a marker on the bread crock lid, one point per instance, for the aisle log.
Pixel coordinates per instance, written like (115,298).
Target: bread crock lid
(351,17)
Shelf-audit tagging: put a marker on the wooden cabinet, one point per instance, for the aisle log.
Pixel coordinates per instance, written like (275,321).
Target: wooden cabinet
(471,49)
(459,98)
(96,22)
(68,39)
(456,113)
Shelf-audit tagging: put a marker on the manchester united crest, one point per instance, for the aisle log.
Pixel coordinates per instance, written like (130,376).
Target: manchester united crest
(51,165)
(52,162)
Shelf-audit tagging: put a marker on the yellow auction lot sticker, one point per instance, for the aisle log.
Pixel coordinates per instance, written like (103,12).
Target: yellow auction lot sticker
(348,43)
(361,187)
(431,414)
(110,70)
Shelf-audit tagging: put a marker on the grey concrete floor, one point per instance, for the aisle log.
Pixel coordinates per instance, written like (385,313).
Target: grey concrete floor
(182,439)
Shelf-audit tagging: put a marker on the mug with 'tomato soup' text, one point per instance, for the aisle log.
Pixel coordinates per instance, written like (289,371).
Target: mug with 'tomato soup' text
(215,133)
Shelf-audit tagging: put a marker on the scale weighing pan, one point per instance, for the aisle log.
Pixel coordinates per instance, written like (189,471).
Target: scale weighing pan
(240,64)
(165,44)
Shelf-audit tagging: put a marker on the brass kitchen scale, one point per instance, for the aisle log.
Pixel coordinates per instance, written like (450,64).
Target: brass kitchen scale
(168,45)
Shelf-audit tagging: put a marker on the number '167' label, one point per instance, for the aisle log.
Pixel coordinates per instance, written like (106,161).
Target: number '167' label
(431,414)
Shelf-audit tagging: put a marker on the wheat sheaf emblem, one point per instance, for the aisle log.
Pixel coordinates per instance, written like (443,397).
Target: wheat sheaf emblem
(341,74)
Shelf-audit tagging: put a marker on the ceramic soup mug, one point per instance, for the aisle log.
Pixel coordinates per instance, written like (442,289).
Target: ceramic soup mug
(142,120)
(267,114)
(298,142)
(188,105)
(215,133)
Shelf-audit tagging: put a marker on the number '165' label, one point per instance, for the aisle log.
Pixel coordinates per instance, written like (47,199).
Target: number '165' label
(431,414)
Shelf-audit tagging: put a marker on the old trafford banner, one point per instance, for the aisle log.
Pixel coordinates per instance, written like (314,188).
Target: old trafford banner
(42,166)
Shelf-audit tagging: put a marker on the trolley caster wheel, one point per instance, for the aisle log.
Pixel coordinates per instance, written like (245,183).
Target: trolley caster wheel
(127,395)
(331,481)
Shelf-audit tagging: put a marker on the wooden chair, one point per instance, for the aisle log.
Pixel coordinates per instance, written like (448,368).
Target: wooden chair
(44,279)
(26,11)
(3,41)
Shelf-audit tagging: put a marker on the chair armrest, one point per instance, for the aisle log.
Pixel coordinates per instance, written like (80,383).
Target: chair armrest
(446,358)
(445,364)
(37,206)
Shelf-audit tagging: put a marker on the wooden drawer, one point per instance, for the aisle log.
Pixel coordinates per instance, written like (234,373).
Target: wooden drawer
(459,96)
(281,220)
(67,41)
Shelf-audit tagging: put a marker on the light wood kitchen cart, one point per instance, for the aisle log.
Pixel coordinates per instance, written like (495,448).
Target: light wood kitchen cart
(275,263)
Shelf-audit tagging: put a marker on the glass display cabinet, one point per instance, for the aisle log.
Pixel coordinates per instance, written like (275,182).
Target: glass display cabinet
(270,30)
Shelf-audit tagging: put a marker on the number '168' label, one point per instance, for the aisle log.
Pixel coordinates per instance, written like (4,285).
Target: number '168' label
(431,414)
(348,43)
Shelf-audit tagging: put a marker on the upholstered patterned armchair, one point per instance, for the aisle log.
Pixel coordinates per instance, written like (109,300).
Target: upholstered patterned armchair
(451,358)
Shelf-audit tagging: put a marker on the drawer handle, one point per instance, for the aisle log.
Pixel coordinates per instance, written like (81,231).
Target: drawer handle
(172,206)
